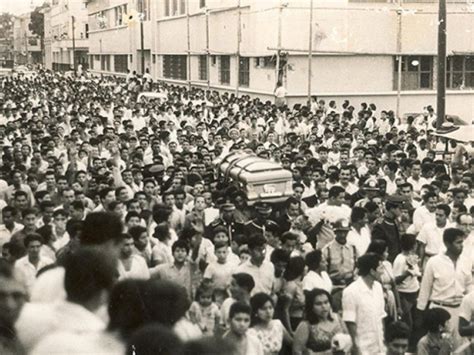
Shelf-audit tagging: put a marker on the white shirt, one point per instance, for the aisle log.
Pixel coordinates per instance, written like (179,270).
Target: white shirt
(467,307)
(443,281)
(138,269)
(365,307)
(220,274)
(400,266)
(5,234)
(263,275)
(422,216)
(29,271)
(72,323)
(417,184)
(360,240)
(312,280)
(432,237)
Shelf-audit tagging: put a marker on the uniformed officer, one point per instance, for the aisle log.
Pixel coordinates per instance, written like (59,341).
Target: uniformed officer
(262,222)
(226,219)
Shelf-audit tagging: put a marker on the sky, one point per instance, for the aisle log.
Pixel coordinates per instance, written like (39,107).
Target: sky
(18,7)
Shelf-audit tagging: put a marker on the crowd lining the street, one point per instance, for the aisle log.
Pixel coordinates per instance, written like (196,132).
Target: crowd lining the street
(119,236)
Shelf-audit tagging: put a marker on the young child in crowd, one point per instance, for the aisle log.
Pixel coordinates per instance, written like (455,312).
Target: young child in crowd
(245,344)
(437,341)
(406,272)
(204,312)
(219,272)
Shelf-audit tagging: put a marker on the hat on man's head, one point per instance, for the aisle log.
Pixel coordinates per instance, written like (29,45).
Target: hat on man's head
(396,199)
(263,207)
(341,225)
(228,207)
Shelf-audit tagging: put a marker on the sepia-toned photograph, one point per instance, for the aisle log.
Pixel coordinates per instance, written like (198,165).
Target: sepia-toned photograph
(236,177)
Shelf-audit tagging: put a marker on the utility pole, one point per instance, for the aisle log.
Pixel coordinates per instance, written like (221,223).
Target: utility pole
(189,45)
(239,38)
(441,92)
(310,51)
(277,71)
(142,39)
(26,47)
(399,57)
(73,44)
(208,55)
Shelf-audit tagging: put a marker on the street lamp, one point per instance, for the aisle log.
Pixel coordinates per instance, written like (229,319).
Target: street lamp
(441,92)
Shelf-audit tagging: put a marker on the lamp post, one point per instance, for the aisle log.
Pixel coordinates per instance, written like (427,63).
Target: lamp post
(310,51)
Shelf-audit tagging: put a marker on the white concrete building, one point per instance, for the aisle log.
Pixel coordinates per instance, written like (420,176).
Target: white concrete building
(61,41)
(115,36)
(232,45)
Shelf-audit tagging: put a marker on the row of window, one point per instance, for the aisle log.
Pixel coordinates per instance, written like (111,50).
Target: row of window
(178,7)
(120,15)
(417,72)
(120,62)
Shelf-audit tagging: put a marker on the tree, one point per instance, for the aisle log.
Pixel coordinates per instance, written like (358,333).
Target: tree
(6,25)
(36,25)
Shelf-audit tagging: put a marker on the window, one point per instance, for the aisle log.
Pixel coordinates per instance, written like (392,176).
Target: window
(121,63)
(91,62)
(174,11)
(167,7)
(224,70)
(202,67)
(460,72)
(105,62)
(417,72)
(265,62)
(244,71)
(153,58)
(87,30)
(131,58)
(118,16)
(202,3)
(175,67)
(213,59)
(182,7)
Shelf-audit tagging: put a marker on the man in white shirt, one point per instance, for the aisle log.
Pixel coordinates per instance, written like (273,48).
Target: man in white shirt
(363,307)
(425,214)
(9,226)
(447,278)
(359,235)
(415,179)
(89,277)
(29,265)
(430,237)
(131,265)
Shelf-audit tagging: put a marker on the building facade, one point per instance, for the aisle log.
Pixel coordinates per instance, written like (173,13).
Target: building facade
(66,35)
(118,31)
(361,50)
(26,45)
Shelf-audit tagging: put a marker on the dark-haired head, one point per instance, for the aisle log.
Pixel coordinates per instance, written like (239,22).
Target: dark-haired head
(257,302)
(294,269)
(316,295)
(154,339)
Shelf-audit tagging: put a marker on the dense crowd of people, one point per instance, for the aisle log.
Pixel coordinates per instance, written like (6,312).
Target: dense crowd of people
(119,235)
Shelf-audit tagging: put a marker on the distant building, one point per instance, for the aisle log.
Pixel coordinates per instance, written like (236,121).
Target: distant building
(233,45)
(59,20)
(26,45)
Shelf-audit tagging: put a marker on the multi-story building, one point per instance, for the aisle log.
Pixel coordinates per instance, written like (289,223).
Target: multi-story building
(26,45)
(118,31)
(66,34)
(360,50)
